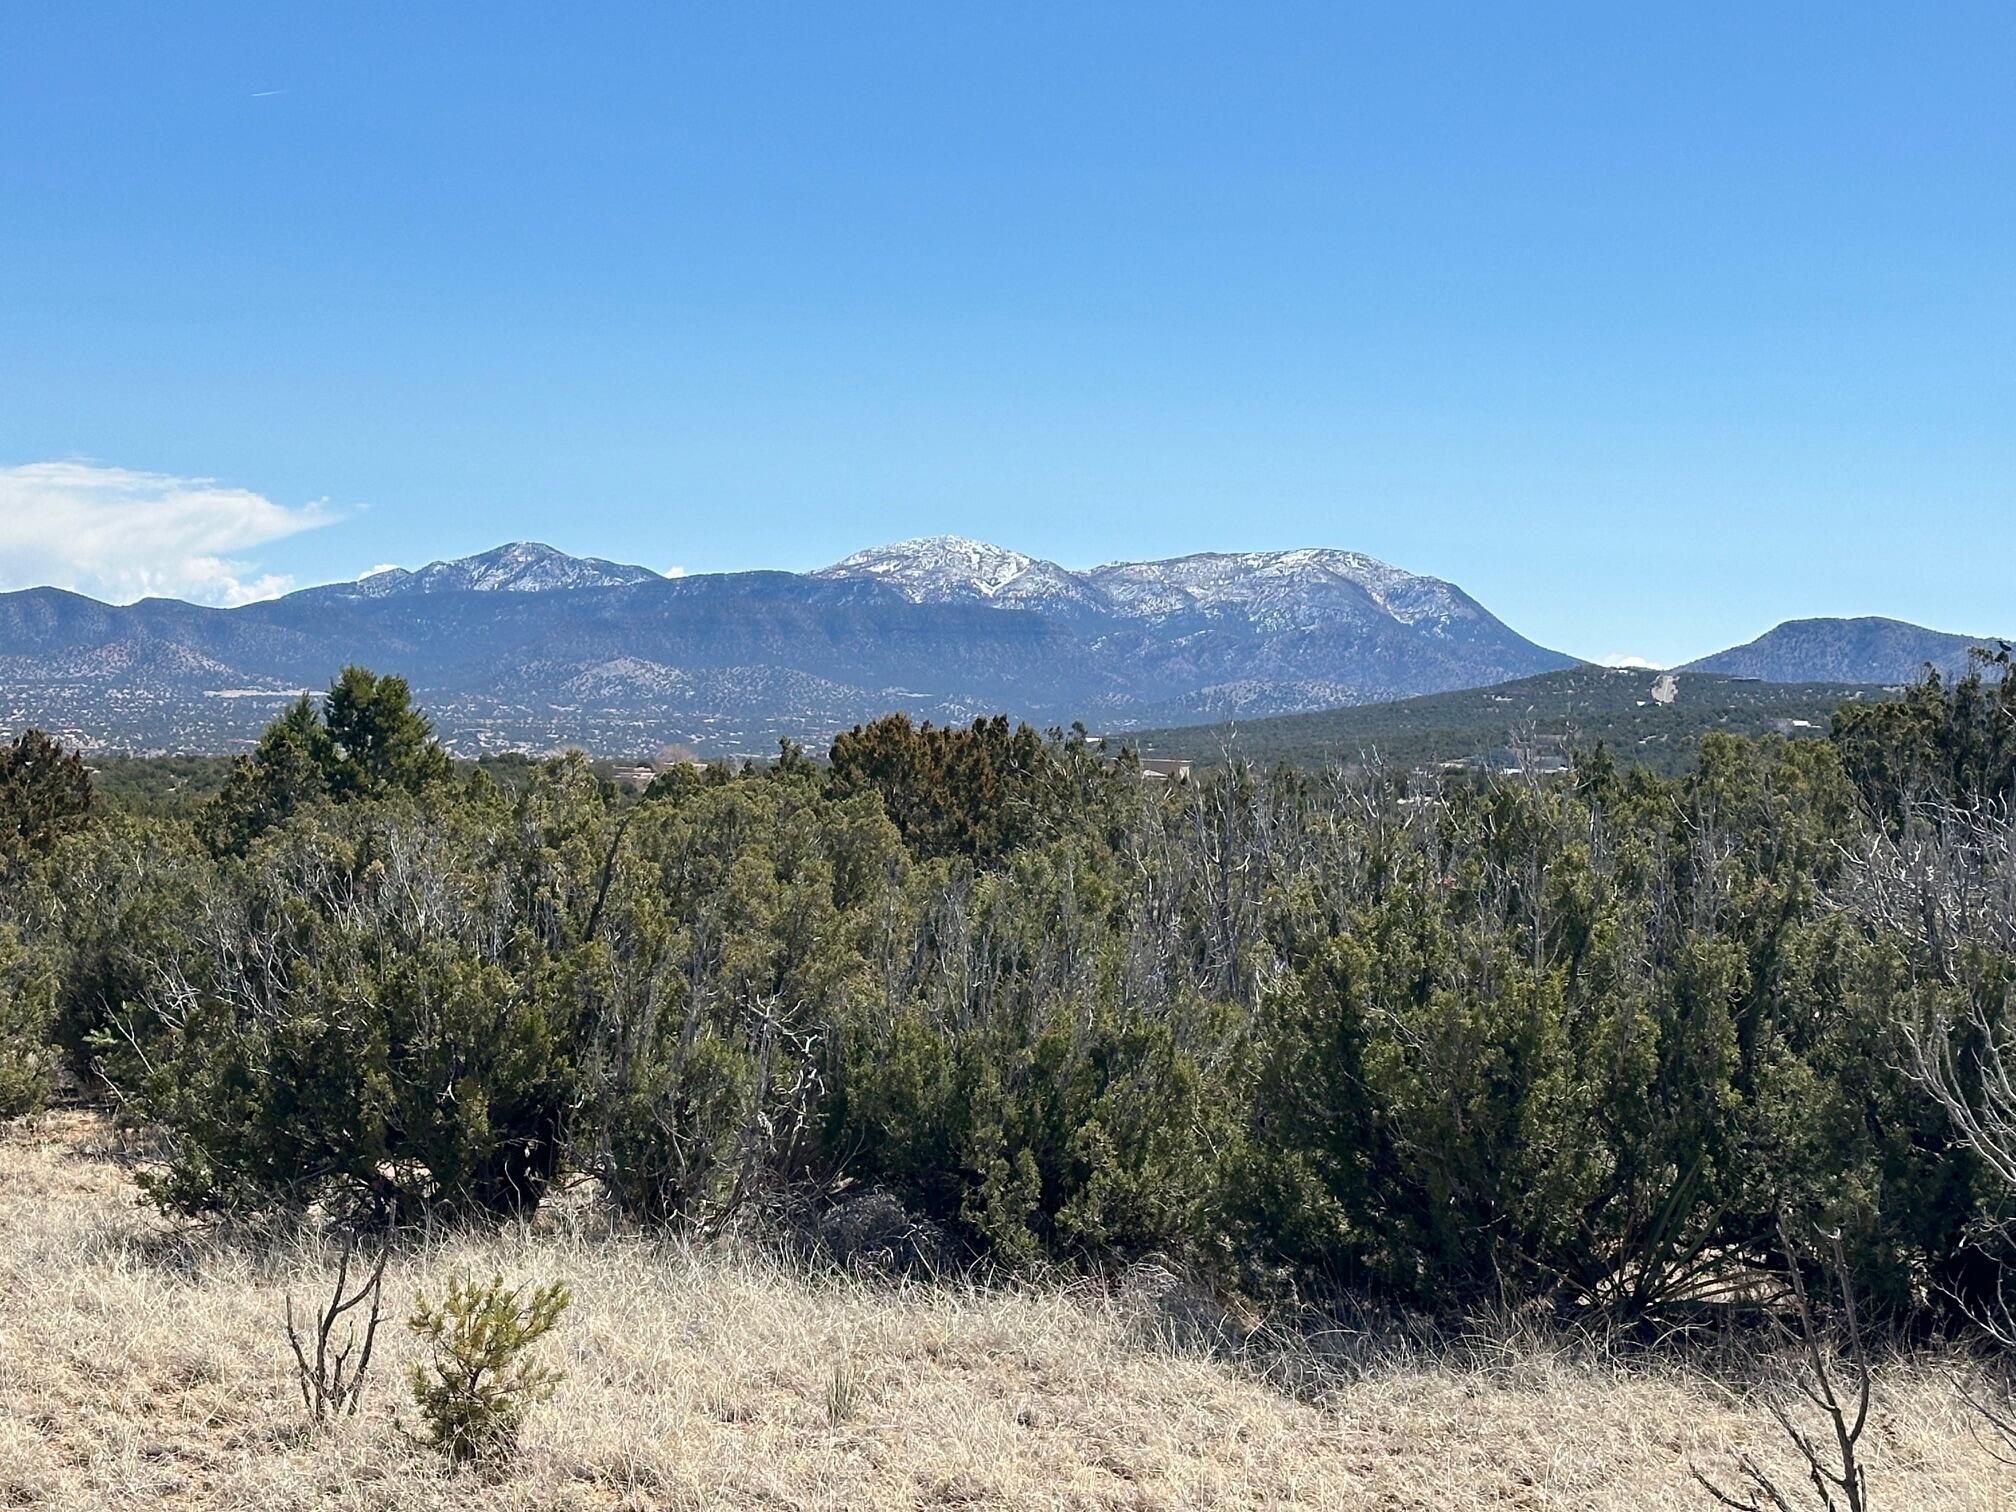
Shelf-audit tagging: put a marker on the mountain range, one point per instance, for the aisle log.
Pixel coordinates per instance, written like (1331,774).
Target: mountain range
(528,647)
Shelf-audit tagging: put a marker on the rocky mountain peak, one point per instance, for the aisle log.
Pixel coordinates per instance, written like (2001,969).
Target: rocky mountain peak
(950,569)
(1307,583)
(1307,587)
(942,562)
(516,567)
(525,643)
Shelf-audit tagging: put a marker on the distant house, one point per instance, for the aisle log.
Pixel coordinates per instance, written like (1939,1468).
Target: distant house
(1532,753)
(1164,768)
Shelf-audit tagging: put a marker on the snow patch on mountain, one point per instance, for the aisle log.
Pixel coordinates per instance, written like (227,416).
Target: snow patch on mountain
(1309,588)
(619,657)
(937,563)
(950,569)
(1303,588)
(520,567)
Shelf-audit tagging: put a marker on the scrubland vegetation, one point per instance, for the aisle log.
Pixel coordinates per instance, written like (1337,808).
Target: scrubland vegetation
(967,1121)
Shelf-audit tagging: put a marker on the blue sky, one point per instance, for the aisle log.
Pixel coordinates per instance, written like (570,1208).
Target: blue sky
(1649,332)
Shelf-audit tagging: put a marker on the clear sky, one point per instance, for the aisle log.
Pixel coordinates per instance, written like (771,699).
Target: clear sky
(1648,332)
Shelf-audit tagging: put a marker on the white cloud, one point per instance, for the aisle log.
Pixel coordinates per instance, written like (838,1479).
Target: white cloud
(675,572)
(371,572)
(121,535)
(1636,663)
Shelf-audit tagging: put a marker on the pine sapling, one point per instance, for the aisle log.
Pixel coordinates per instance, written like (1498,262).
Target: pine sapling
(474,1391)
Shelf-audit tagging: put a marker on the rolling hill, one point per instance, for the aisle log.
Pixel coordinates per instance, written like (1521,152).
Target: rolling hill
(1866,650)
(1651,718)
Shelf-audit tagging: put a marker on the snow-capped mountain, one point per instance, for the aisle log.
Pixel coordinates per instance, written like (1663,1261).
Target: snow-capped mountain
(520,567)
(1306,589)
(951,569)
(527,645)
(1302,589)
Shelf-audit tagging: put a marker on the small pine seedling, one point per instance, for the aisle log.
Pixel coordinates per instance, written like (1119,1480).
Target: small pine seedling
(474,1392)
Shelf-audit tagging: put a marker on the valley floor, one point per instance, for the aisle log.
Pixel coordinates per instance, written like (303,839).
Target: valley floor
(141,1366)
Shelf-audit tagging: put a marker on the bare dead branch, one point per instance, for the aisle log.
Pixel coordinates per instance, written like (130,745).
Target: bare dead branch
(331,1385)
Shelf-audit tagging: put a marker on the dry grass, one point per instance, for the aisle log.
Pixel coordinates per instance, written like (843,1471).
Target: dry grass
(142,1368)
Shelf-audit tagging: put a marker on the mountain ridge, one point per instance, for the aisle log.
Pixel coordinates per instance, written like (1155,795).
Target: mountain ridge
(526,645)
(515,567)
(952,569)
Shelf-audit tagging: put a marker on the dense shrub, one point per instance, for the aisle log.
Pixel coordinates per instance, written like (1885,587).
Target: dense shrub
(45,798)
(370,1006)
(366,740)
(1941,742)
(1581,1044)
(27,1027)
(45,793)
(1577,1040)
(742,924)
(112,903)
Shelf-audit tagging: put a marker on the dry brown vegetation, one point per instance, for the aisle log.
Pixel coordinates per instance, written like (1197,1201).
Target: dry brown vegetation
(142,1366)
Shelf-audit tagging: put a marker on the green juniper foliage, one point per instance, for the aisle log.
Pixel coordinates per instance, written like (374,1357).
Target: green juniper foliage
(28,1054)
(45,798)
(45,792)
(366,741)
(1575,1041)
(478,1383)
(1950,743)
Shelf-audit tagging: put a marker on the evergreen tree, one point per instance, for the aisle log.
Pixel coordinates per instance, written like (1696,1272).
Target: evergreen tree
(974,792)
(1944,742)
(384,743)
(367,741)
(292,767)
(45,792)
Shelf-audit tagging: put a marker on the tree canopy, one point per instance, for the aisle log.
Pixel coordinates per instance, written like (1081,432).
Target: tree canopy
(45,792)
(366,740)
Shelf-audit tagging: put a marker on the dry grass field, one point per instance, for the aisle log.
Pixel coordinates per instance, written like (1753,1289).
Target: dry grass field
(145,1367)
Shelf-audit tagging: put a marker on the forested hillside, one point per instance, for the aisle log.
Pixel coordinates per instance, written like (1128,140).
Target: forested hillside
(1868,649)
(1643,718)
